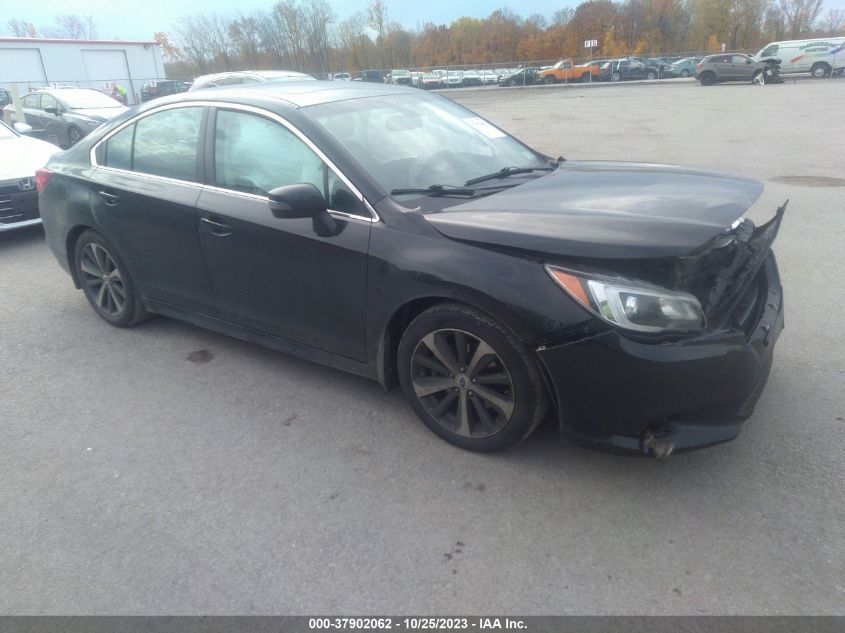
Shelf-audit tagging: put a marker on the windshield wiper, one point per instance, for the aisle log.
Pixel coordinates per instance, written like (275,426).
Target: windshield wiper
(507,171)
(436,190)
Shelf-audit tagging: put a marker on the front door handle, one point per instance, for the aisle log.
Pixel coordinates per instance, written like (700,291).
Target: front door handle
(109,198)
(217,228)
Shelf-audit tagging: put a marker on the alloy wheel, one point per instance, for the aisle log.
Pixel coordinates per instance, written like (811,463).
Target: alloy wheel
(462,383)
(102,280)
(73,136)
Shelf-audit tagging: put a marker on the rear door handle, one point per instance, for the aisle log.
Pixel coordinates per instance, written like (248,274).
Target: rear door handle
(109,198)
(217,228)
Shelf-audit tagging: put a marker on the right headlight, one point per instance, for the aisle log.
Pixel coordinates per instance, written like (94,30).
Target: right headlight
(632,305)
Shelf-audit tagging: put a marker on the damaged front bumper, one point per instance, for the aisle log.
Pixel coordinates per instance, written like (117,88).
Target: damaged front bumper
(618,393)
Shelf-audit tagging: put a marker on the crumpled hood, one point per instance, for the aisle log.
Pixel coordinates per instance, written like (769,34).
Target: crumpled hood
(605,210)
(22,156)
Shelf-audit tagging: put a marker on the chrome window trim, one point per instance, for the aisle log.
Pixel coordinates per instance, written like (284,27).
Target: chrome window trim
(140,174)
(245,108)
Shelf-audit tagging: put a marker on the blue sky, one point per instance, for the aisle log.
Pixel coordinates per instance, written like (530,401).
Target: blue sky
(122,18)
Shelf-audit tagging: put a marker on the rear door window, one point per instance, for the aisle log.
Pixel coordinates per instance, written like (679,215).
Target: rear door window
(32,101)
(166,144)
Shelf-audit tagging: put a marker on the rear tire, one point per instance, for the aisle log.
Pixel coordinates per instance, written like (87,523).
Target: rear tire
(820,70)
(106,282)
(469,380)
(707,79)
(651,75)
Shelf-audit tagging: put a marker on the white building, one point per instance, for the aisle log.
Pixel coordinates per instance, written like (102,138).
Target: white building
(99,64)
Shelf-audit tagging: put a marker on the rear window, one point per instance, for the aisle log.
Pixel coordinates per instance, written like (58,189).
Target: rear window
(118,153)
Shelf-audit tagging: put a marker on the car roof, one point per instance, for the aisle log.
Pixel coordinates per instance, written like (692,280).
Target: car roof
(266,74)
(299,94)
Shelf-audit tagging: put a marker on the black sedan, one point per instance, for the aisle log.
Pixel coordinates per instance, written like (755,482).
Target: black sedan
(624,69)
(394,234)
(522,77)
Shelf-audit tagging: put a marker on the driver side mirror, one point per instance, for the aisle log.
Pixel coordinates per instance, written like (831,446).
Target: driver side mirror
(303,201)
(747,61)
(51,110)
(23,128)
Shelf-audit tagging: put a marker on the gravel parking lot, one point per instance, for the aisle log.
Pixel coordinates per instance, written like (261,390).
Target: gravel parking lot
(166,469)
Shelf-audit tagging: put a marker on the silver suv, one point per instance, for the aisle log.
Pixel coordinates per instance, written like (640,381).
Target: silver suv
(728,67)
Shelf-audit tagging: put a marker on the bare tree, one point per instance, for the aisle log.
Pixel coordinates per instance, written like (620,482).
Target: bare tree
(19,28)
(318,16)
(800,15)
(289,22)
(354,47)
(562,17)
(376,20)
(538,21)
(193,42)
(245,32)
(833,21)
(71,27)
(220,45)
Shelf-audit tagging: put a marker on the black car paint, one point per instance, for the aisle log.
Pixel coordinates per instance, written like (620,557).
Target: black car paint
(360,286)
(605,211)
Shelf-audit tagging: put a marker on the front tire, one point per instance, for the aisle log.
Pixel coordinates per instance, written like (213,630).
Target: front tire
(685,73)
(651,75)
(106,282)
(549,80)
(74,135)
(469,379)
(616,76)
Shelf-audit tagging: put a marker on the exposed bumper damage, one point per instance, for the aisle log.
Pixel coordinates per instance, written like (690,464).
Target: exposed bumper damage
(652,397)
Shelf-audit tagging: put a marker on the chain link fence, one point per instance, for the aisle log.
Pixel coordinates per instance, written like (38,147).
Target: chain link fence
(520,73)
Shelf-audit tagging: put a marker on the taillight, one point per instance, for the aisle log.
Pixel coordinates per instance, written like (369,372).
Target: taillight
(153,90)
(698,65)
(42,179)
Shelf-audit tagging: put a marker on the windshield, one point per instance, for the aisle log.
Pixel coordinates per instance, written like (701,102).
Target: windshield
(414,141)
(80,99)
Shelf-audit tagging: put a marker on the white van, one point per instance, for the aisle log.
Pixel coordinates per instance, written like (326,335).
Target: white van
(819,57)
